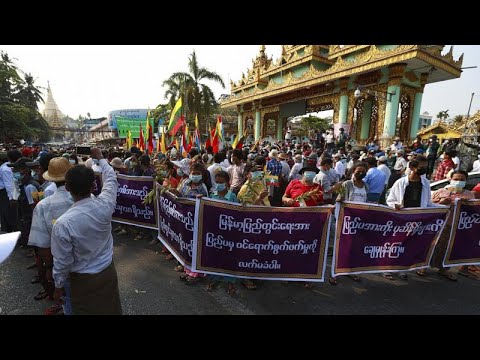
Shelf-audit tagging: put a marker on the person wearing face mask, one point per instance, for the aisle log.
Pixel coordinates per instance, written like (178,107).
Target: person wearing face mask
(294,194)
(38,168)
(411,191)
(355,189)
(236,171)
(44,217)
(73,159)
(23,175)
(447,196)
(193,186)
(476,164)
(327,177)
(254,191)
(215,167)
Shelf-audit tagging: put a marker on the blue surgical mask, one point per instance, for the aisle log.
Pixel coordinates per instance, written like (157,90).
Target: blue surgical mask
(257,175)
(96,161)
(221,187)
(34,175)
(457,184)
(309,175)
(17,176)
(72,161)
(196,178)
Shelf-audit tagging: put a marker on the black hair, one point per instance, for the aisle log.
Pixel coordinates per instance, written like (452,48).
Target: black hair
(327,161)
(224,175)
(13,155)
(197,167)
(360,164)
(79,180)
(217,158)
(144,160)
(169,164)
(371,161)
(134,150)
(415,162)
(193,152)
(461,172)
(209,149)
(45,160)
(260,160)
(238,154)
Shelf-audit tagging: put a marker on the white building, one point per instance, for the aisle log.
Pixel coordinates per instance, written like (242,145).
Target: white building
(425,120)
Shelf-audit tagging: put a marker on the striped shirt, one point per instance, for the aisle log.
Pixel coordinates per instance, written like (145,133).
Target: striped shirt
(46,214)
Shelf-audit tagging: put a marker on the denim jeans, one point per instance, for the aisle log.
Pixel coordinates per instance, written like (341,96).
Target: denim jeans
(67,299)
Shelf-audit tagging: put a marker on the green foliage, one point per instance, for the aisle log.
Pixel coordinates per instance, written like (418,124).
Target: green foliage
(19,116)
(198,98)
(313,123)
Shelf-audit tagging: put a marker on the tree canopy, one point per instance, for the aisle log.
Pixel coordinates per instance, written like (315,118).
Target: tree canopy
(19,97)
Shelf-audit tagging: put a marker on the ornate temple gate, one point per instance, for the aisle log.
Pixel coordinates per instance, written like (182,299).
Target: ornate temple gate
(312,78)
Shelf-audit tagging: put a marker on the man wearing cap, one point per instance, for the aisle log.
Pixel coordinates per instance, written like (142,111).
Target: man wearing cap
(82,242)
(45,215)
(26,203)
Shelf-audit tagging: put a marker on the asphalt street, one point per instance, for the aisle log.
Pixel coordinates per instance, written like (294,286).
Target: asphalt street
(149,285)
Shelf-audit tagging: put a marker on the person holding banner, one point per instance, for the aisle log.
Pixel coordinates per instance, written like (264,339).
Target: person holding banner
(305,192)
(82,242)
(254,191)
(224,193)
(411,191)
(447,196)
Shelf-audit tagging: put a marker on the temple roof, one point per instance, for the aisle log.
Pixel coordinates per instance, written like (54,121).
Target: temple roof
(304,66)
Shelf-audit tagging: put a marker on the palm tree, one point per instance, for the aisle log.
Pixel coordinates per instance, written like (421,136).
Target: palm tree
(30,94)
(199,98)
(443,115)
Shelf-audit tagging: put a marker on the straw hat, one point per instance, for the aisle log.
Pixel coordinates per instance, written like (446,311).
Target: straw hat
(117,163)
(57,168)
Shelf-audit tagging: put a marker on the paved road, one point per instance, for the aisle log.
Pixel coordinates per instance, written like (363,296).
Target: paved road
(143,268)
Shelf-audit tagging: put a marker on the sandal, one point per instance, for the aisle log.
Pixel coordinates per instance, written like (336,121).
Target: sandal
(137,238)
(449,275)
(468,274)
(211,286)
(41,295)
(249,284)
(474,269)
(332,281)
(189,280)
(308,285)
(178,268)
(421,272)
(183,277)
(54,310)
(231,290)
(354,277)
(388,276)
(170,257)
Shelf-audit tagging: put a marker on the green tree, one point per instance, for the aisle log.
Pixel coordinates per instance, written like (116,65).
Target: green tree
(198,97)
(19,116)
(443,115)
(309,123)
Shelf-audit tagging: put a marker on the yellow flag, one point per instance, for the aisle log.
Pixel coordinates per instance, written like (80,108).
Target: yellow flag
(163,146)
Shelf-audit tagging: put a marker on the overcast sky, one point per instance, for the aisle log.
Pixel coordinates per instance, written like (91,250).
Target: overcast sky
(101,78)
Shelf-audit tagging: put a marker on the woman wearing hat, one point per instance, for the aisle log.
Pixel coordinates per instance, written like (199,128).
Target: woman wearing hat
(304,192)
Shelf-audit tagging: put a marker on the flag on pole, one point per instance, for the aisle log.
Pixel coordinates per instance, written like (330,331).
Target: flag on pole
(141,140)
(149,134)
(176,118)
(219,128)
(197,133)
(129,140)
(186,137)
(163,146)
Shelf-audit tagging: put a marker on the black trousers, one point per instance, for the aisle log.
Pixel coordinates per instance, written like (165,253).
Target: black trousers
(8,215)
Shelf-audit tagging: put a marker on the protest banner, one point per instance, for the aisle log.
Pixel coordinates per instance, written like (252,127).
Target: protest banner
(464,244)
(258,242)
(374,238)
(130,209)
(175,225)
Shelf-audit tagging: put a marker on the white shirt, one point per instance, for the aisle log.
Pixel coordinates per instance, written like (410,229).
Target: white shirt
(384,168)
(50,189)
(476,166)
(225,164)
(456,161)
(396,147)
(397,193)
(401,164)
(294,175)
(45,215)
(6,179)
(82,239)
(329,138)
(340,169)
(213,169)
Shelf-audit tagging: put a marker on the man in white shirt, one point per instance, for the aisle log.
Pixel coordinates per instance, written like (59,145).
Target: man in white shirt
(214,168)
(82,242)
(476,164)
(294,175)
(45,215)
(339,167)
(397,145)
(456,160)
(285,167)
(382,166)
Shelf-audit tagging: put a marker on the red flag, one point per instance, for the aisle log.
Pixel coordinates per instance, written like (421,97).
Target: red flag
(142,142)
(215,142)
